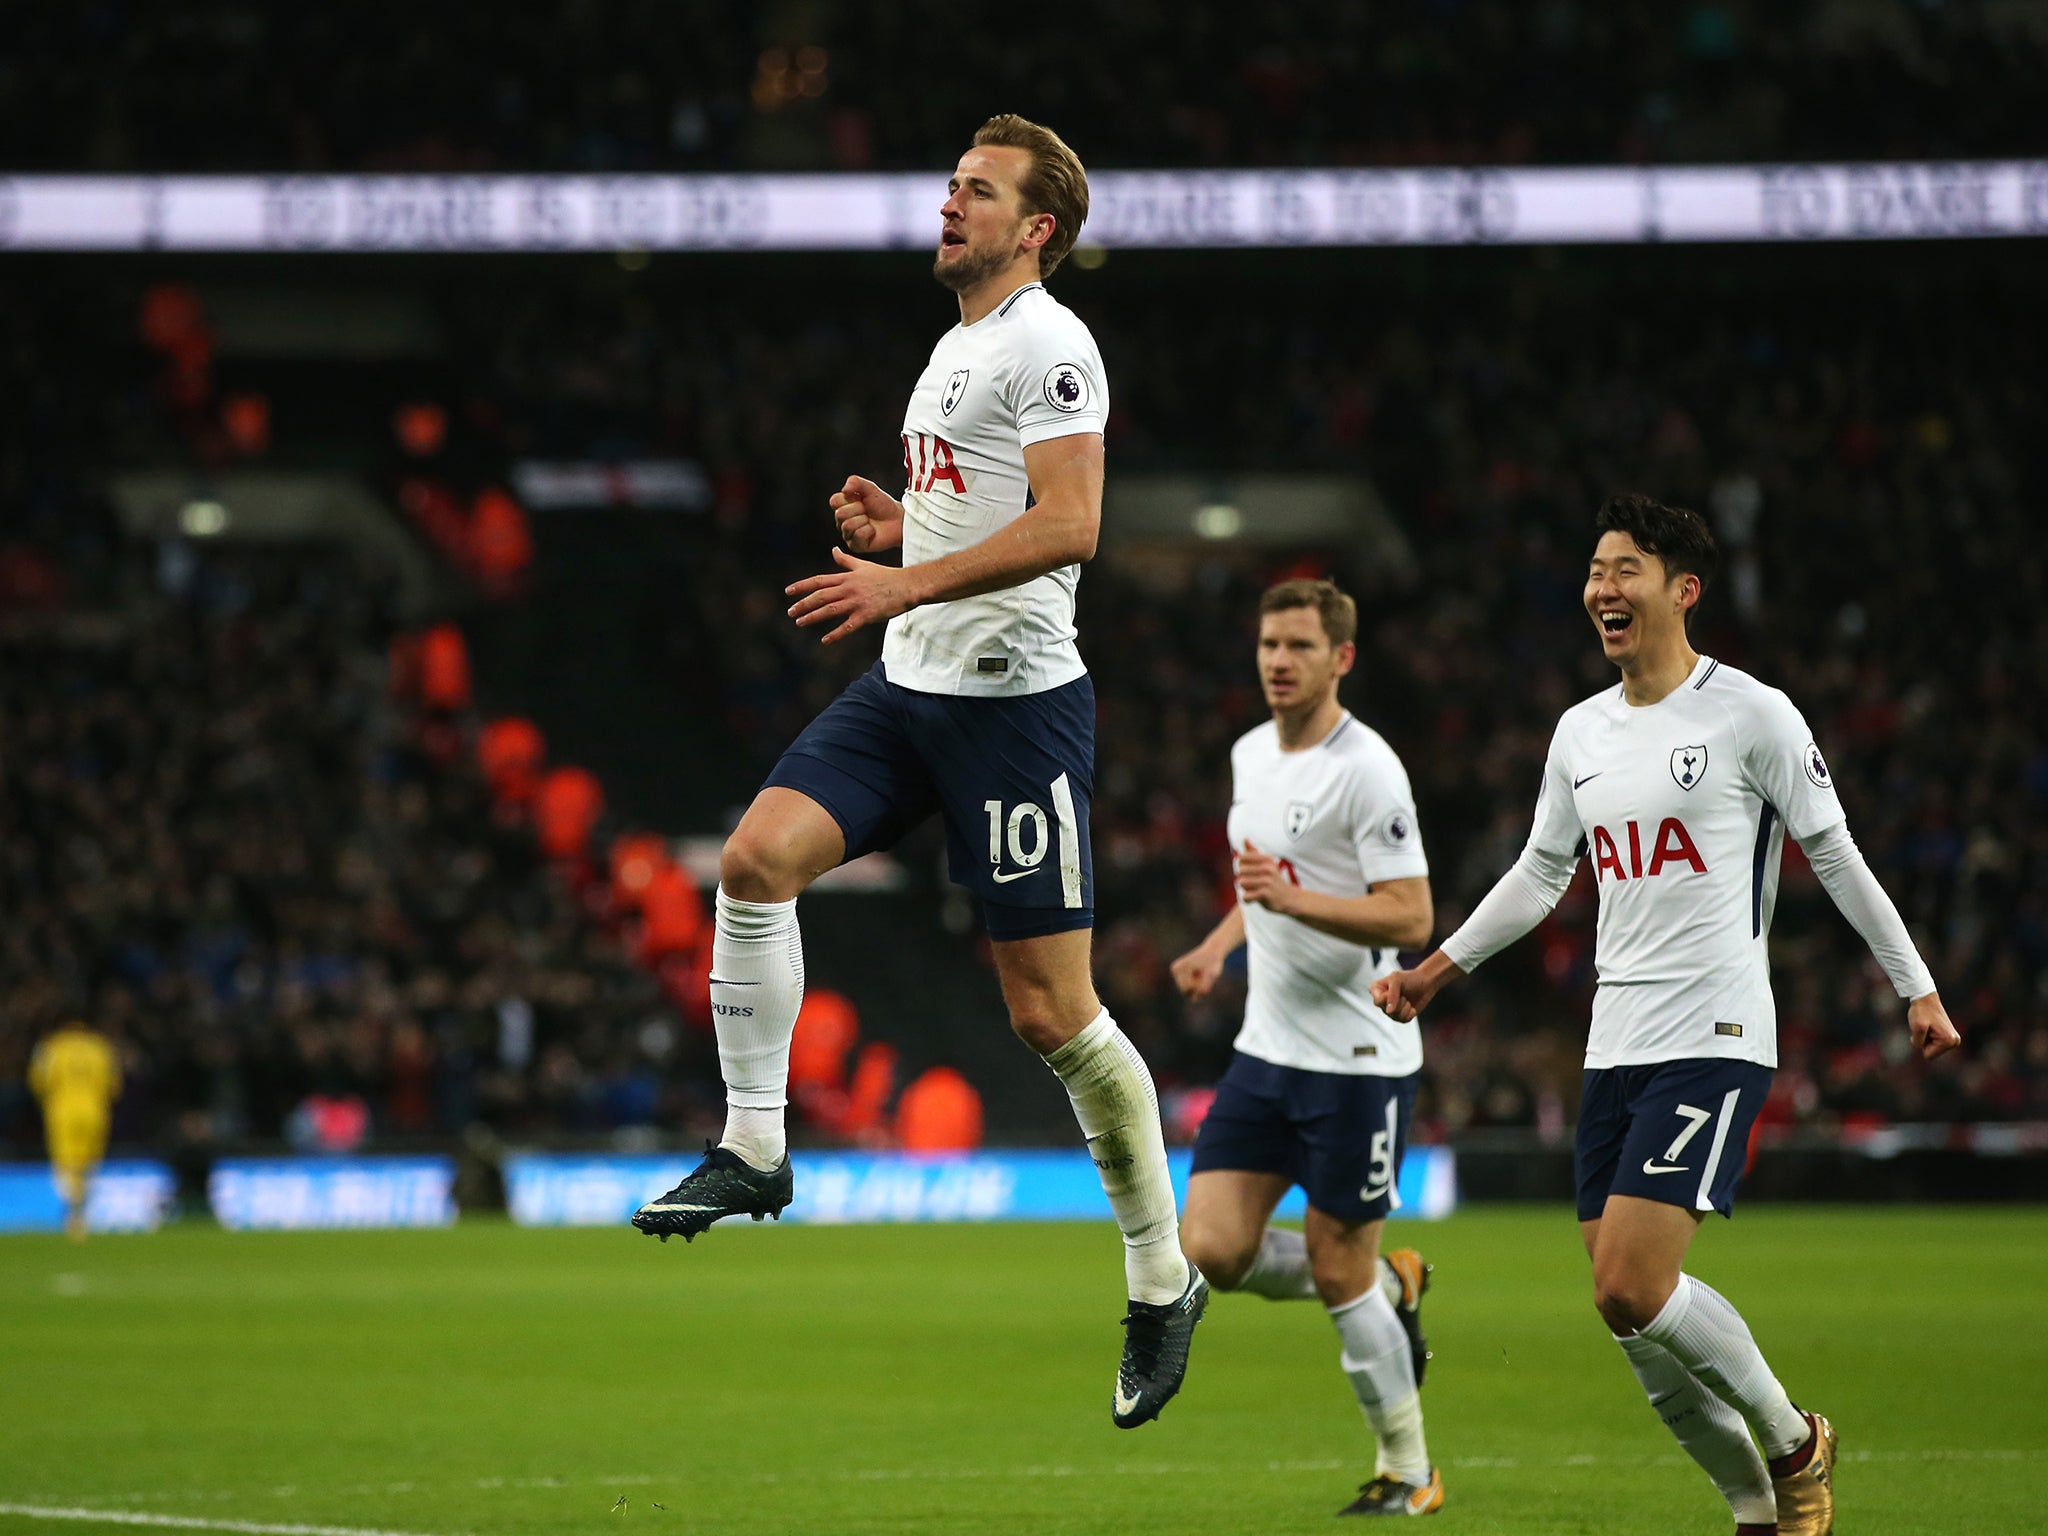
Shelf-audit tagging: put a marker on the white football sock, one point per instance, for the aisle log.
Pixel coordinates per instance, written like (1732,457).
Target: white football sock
(1280,1270)
(1390,1283)
(1118,1109)
(1709,1338)
(1382,1374)
(757,986)
(1711,1432)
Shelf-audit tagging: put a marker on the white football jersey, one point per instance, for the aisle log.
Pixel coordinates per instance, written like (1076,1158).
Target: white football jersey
(1341,818)
(1683,806)
(1025,372)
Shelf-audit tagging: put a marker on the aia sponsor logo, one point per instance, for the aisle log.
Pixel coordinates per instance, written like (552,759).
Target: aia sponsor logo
(1620,856)
(928,464)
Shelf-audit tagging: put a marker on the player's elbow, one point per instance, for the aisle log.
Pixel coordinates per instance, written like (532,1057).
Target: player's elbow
(1420,923)
(1083,536)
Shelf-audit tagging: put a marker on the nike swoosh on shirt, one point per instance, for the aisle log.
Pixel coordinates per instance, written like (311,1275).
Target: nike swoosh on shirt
(1002,879)
(1650,1166)
(1589,778)
(720,981)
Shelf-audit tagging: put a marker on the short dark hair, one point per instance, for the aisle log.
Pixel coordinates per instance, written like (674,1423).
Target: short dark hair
(1331,603)
(1056,183)
(1677,536)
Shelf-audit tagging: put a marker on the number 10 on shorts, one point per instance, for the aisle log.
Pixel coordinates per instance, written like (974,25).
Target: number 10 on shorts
(1025,834)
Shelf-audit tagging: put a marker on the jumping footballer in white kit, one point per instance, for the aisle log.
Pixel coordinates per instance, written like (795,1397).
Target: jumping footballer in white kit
(980,711)
(1681,785)
(1321,1086)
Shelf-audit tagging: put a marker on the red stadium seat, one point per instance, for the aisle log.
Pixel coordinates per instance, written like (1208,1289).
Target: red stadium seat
(500,542)
(565,812)
(672,914)
(867,1096)
(444,669)
(246,420)
(170,313)
(827,1028)
(635,859)
(511,752)
(939,1112)
(421,428)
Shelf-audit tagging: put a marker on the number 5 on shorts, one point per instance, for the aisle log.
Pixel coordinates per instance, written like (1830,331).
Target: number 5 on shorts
(1380,1176)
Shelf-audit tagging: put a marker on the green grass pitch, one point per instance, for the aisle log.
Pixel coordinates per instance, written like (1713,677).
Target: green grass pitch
(957,1379)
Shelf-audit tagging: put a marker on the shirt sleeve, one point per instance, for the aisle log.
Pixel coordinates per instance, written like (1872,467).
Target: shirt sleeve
(1535,882)
(1557,829)
(1783,763)
(1056,383)
(1519,900)
(1848,880)
(1383,824)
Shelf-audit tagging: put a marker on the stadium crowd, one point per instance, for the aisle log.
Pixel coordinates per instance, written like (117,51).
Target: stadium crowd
(1857,487)
(262,86)
(225,840)
(284,891)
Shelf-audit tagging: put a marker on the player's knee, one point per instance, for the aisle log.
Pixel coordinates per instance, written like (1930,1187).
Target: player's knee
(1625,1302)
(1341,1273)
(1038,1025)
(756,868)
(1337,1286)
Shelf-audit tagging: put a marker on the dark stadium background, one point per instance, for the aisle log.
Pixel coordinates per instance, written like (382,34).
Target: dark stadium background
(243,825)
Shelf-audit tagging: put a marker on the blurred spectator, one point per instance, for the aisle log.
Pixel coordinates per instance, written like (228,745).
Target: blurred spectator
(1859,487)
(262,86)
(220,835)
(218,838)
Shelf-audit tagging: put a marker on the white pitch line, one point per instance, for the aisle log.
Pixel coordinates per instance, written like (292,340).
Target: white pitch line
(189,1522)
(1025,1472)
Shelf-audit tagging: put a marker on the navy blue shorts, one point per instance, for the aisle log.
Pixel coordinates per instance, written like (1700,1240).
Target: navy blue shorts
(1671,1131)
(1012,776)
(1340,1137)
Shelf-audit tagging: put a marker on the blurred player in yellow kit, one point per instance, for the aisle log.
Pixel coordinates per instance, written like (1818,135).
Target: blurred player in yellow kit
(76,1075)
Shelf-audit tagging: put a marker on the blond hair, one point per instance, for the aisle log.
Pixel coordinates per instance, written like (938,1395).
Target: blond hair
(1332,603)
(1057,182)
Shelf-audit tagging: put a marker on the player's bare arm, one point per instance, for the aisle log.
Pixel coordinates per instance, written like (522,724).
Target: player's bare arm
(1196,971)
(1404,994)
(1395,914)
(869,518)
(1060,529)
